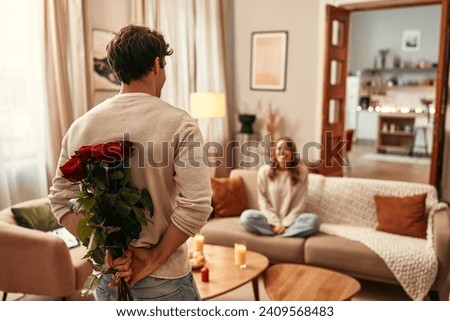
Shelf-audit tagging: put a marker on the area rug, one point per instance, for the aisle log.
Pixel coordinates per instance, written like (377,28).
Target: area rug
(396,158)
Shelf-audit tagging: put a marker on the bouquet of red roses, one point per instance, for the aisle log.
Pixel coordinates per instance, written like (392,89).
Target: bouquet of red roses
(114,209)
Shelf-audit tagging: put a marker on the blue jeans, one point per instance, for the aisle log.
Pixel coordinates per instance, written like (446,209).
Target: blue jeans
(153,289)
(306,224)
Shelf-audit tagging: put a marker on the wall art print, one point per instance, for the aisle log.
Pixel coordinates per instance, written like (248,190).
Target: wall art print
(268,60)
(411,40)
(104,77)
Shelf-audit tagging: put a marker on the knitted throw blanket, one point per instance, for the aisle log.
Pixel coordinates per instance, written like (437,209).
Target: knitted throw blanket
(347,209)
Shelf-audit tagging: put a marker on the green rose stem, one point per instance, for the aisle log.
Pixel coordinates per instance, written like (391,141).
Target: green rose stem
(114,211)
(124,292)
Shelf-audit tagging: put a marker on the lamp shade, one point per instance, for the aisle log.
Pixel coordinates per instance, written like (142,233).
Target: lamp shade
(207,105)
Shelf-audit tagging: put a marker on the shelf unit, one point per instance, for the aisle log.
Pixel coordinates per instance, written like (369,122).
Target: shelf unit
(378,81)
(402,70)
(395,132)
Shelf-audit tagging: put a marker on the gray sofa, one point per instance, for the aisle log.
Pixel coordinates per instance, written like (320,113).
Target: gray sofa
(334,200)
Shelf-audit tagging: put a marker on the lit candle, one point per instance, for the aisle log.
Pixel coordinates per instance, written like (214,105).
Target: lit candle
(240,250)
(199,240)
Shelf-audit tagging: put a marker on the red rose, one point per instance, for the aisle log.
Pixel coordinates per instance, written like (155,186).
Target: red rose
(73,170)
(109,152)
(84,153)
(112,152)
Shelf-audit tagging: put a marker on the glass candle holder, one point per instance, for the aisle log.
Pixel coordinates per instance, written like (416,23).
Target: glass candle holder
(199,240)
(240,250)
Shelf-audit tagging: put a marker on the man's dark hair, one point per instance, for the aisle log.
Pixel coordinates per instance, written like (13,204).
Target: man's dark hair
(133,50)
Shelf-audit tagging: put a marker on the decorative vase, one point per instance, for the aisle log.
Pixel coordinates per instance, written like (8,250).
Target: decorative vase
(247,121)
(383,54)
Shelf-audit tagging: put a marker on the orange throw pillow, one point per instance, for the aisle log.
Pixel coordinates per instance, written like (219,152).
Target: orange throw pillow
(228,196)
(402,215)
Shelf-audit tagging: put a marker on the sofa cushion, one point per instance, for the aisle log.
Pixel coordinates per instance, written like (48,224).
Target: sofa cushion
(36,217)
(229,197)
(344,255)
(225,231)
(402,215)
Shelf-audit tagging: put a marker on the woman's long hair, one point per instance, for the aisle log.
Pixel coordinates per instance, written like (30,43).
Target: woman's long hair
(292,166)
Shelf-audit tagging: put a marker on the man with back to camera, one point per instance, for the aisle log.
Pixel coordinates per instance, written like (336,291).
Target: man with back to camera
(168,162)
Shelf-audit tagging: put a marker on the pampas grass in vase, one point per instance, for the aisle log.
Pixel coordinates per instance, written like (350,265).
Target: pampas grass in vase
(273,125)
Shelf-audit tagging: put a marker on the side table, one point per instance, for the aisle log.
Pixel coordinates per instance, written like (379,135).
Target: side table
(298,282)
(225,275)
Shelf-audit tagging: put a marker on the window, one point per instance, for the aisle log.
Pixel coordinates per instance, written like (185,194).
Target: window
(22,120)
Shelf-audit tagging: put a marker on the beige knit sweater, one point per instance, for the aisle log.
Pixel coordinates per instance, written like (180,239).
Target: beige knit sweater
(279,200)
(168,161)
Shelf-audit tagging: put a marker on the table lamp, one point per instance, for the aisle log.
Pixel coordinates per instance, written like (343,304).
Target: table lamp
(207,105)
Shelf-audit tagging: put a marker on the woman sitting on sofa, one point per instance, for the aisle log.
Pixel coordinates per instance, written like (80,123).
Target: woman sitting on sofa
(282,189)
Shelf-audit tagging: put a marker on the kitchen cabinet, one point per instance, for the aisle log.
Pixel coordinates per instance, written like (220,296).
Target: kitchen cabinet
(395,132)
(366,126)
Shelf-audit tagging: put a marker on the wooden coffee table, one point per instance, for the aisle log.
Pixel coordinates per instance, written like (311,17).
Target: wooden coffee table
(298,282)
(224,275)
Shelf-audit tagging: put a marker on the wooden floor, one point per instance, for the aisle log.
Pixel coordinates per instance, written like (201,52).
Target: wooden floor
(383,169)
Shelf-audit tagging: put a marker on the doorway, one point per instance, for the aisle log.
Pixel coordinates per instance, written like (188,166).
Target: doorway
(435,171)
(392,83)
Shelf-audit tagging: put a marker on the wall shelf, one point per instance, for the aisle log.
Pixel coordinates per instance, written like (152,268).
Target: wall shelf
(379,81)
(400,70)
(397,133)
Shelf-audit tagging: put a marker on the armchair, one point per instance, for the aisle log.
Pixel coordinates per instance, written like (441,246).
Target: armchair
(35,262)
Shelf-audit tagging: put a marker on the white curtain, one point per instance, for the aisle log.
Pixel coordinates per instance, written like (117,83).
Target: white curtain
(195,31)
(44,86)
(139,12)
(22,103)
(67,62)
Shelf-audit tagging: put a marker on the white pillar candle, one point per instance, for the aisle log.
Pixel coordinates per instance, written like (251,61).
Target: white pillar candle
(199,240)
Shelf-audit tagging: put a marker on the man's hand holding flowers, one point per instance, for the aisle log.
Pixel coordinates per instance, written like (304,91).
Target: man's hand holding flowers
(122,266)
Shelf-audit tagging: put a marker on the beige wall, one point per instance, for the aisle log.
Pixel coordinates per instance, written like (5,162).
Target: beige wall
(298,103)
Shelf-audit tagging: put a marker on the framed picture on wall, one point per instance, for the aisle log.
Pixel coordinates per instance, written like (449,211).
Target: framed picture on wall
(411,40)
(104,77)
(268,60)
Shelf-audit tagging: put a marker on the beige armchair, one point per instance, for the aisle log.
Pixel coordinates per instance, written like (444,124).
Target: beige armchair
(35,262)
